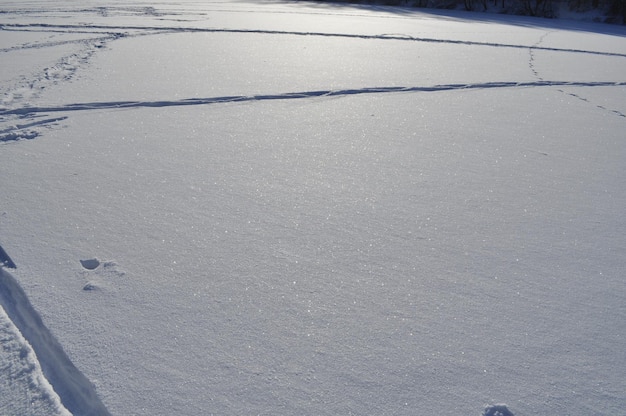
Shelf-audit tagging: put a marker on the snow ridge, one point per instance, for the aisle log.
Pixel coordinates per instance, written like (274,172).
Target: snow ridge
(22,376)
(27,89)
(77,393)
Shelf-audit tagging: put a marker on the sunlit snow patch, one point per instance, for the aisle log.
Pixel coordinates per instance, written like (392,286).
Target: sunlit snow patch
(76,392)
(24,388)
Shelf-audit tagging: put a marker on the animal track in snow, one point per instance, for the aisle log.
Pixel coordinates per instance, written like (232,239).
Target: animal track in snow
(601,107)
(99,273)
(497,410)
(91,286)
(90,264)
(531,56)
(535,72)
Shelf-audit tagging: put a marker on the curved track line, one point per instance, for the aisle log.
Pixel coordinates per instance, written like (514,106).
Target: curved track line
(406,38)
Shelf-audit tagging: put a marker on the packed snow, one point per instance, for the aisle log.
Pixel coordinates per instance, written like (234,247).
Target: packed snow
(25,391)
(243,207)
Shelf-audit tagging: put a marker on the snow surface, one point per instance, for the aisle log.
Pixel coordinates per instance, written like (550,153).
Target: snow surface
(25,391)
(78,394)
(290,208)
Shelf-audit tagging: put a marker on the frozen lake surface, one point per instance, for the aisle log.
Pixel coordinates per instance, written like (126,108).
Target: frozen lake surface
(306,208)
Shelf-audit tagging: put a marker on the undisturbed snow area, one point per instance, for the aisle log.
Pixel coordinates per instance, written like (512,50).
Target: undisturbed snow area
(309,208)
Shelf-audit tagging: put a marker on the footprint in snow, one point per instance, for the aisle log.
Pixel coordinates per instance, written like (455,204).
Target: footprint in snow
(497,410)
(90,264)
(91,286)
(99,273)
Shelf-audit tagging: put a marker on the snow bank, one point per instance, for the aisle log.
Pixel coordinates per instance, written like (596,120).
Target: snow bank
(76,392)
(5,260)
(25,390)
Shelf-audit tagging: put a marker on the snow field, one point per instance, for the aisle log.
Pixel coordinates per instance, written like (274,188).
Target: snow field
(363,251)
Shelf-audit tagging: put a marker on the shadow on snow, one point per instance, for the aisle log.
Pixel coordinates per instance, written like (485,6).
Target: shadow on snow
(77,393)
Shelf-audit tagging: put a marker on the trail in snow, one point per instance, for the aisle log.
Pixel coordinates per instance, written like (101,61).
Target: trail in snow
(587,100)
(16,122)
(536,73)
(23,131)
(62,70)
(26,131)
(406,38)
(531,56)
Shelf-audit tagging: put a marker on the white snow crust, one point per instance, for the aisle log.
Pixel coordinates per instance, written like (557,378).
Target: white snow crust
(25,391)
(237,207)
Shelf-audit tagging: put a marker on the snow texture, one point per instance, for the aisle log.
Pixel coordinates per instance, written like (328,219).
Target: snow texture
(76,392)
(497,410)
(5,260)
(238,207)
(25,391)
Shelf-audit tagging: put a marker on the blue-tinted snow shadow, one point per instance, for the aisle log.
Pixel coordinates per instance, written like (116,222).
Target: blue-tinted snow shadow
(5,260)
(458,15)
(76,392)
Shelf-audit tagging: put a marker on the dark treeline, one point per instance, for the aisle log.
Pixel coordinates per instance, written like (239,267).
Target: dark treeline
(608,11)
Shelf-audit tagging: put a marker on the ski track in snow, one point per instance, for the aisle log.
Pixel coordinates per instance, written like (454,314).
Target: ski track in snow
(405,38)
(16,118)
(30,111)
